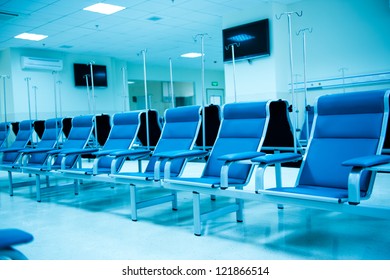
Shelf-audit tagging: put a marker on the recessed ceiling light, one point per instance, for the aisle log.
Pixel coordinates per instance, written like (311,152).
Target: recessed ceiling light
(31,36)
(103,8)
(191,55)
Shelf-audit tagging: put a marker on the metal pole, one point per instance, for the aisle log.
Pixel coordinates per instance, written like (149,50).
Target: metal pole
(60,96)
(171,76)
(146,100)
(88,93)
(93,100)
(125,90)
(35,100)
(305,86)
(292,82)
(5,97)
(203,93)
(292,74)
(55,93)
(234,69)
(27,79)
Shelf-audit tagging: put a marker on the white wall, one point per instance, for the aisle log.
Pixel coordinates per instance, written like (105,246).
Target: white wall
(74,100)
(260,78)
(351,34)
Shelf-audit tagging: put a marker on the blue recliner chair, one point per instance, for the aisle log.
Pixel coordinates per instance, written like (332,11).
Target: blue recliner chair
(122,136)
(241,134)
(5,129)
(78,138)
(180,130)
(37,155)
(11,237)
(10,155)
(347,139)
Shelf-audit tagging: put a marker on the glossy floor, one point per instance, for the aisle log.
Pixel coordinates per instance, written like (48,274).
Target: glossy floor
(96,225)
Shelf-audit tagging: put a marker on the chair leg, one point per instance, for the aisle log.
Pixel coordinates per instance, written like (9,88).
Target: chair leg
(174,201)
(10,186)
(197,214)
(47,182)
(239,212)
(133,202)
(38,187)
(76,187)
(213,197)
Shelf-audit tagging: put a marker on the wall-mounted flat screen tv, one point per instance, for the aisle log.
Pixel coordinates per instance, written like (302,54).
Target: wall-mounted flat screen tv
(81,71)
(250,40)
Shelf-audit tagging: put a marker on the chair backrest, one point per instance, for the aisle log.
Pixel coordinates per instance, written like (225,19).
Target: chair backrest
(49,138)
(154,128)
(122,135)
(22,139)
(280,131)
(212,123)
(242,129)
(179,132)
(103,127)
(5,129)
(78,137)
(345,126)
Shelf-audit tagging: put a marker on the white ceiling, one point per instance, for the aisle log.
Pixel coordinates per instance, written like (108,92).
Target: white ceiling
(124,34)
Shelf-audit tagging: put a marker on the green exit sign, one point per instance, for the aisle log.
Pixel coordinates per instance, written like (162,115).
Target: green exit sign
(214,84)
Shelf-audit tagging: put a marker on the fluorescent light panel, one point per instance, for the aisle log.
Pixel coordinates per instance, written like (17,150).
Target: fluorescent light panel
(31,36)
(191,55)
(103,8)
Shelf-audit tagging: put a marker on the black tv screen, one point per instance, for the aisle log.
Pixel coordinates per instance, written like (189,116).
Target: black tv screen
(81,71)
(250,40)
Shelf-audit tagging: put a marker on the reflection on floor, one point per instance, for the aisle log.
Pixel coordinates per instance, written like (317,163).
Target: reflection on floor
(96,225)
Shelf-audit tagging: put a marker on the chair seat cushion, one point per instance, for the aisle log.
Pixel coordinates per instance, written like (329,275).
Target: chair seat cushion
(10,237)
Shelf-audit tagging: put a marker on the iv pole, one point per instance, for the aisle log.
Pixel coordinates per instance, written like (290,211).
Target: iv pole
(143,52)
(171,77)
(5,96)
(60,96)
(203,90)
(303,31)
(125,90)
(93,100)
(234,68)
(289,14)
(35,101)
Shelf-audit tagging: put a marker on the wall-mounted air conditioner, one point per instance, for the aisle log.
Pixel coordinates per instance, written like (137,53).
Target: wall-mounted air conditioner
(35,63)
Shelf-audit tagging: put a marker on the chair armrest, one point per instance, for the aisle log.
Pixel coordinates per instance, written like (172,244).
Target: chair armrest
(36,150)
(240,156)
(11,150)
(358,165)
(264,161)
(130,153)
(106,152)
(367,161)
(167,157)
(277,158)
(182,154)
(68,152)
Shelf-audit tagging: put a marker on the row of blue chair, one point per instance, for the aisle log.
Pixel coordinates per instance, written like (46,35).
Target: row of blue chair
(337,172)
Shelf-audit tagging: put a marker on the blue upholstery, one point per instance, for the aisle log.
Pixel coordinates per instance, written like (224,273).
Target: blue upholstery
(122,135)
(78,137)
(11,237)
(346,126)
(11,154)
(48,140)
(5,128)
(242,128)
(180,128)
